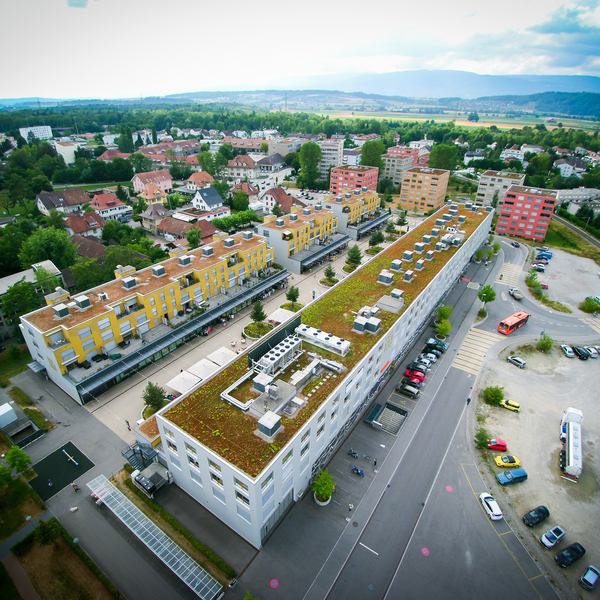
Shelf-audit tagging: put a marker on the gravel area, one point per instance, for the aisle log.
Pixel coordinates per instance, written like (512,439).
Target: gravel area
(545,389)
(570,279)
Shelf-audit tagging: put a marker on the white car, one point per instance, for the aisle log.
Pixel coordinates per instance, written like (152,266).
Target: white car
(424,362)
(518,362)
(552,537)
(592,350)
(567,350)
(491,507)
(428,356)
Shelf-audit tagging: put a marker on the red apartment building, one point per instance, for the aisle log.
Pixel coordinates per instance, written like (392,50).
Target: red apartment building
(420,156)
(353,177)
(526,212)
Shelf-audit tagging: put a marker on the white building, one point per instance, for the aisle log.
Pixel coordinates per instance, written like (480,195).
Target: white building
(332,155)
(496,181)
(421,144)
(581,194)
(252,496)
(512,153)
(67,151)
(41,132)
(265,134)
(351,156)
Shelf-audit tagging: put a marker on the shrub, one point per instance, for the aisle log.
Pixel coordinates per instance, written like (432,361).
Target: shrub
(479,254)
(589,306)
(482,313)
(481,439)
(444,327)
(444,312)
(323,486)
(493,395)
(545,344)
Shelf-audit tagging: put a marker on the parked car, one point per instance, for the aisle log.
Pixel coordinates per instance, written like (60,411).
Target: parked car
(545,254)
(592,351)
(570,554)
(510,405)
(411,381)
(518,362)
(418,367)
(507,461)
(538,267)
(552,537)
(497,444)
(567,350)
(544,286)
(432,350)
(535,516)
(514,476)
(424,361)
(515,244)
(443,346)
(543,249)
(589,579)
(430,357)
(490,506)
(408,390)
(594,298)
(582,353)
(415,374)
(541,261)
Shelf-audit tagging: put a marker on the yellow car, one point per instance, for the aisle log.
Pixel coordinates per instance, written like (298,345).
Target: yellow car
(507,461)
(511,405)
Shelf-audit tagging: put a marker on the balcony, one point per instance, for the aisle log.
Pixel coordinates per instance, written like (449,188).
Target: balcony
(186,283)
(130,310)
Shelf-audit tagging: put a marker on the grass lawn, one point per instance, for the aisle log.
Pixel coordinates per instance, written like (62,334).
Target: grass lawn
(559,236)
(17,501)
(293,306)
(150,410)
(256,330)
(9,590)
(95,186)
(9,367)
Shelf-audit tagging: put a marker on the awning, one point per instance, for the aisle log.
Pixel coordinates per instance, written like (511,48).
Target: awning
(35,366)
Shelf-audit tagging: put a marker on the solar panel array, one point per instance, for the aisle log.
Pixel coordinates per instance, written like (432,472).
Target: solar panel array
(189,571)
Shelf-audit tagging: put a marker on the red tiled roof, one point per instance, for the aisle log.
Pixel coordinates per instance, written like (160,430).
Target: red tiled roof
(245,187)
(152,191)
(75,196)
(201,177)
(154,176)
(180,228)
(242,160)
(89,221)
(89,247)
(102,201)
(284,200)
(111,154)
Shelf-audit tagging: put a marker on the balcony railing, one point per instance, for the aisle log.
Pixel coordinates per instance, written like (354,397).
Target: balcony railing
(57,343)
(130,310)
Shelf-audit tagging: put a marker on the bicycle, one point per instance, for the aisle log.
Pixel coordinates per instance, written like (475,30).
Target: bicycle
(367,457)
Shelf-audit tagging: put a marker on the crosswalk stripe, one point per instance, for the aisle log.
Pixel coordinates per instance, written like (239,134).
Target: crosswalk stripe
(510,275)
(473,349)
(594,323)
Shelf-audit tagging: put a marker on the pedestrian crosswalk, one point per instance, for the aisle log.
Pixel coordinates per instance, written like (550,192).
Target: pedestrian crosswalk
(593,322)
(509,275)
(472,352)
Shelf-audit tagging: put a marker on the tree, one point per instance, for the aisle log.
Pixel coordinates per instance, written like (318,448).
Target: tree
(444,312)
(14,352)
(258,315)
(496,247)
(495,199)
(46,532)
(390,227)
(87,273)
(490,253)
(444,327)
(121,194)
(5,476)
(138,141)
(293,294)
(140,163)
(277,210)
(376,239)
(40,183)
(354,255)
(473,117)
(48,244)
(154,136)
(443,156)
(154,395)
(240,201)
(46,280)
(323,486)
(194,237)
(264,147)
(99,151)
(18,460)
(125,141)
(479,255)
(19,299)
(487,294)
(493,395)
(310,156)
(545,344)
(370,154)
(329,272)
(222,188)
(55,219)
(402,219)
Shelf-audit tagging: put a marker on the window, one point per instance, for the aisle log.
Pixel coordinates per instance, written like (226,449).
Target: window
(304,450)
(103,324)
(172,446)
(107,335)
(321,417)
(336,401)
(190,449)
(155,312)
(266,482)
(169,433)
(242,513)
(320,430)
(162,296)
(68,354)
(87,344)
(239,496)
(240,484)
(214,466)
(196,478)
(172,291)
(193,461)
(216,479)
(152,301)
(85,332)
(305,436)
(287,457)
(219,495)
(334,413)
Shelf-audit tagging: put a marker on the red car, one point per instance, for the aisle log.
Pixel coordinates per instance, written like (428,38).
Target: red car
(416,374)
(544,286)
(499,445)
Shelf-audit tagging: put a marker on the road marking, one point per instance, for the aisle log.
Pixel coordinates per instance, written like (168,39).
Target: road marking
(535,577)
(369,549)
(472,352)
(501,534)
(593,323)
(510,275)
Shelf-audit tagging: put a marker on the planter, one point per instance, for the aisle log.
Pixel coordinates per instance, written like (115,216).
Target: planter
(319,502)
(442,338)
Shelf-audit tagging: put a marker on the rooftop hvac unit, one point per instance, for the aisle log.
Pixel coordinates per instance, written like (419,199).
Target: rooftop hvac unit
(229,242)
(184,261)
(420,265)
(427,239)
(318,206)
(102,296)
(419,247)
(397,293)
(248,235)
(128,282)
(396,265)
(435,233)
(408,276)
(158,271)
(429,255)
(208,251)
(82,301)
(279,222)
(60,310)
(407,255)
(348,195)
(306,211)
(293,218)
(338,199)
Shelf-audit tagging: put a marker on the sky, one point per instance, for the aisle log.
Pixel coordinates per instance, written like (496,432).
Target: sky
(133,48)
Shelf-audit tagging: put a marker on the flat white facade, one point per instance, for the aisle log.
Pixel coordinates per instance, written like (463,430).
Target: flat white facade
(332,155)
(67,151)
(253,506)
(41,132)
(496,181)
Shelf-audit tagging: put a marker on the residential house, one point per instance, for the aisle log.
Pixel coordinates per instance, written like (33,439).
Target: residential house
(359,140)
(271,163)
(111,208)
(199,180)
(246,188)
(89,247)
(495,183)
(68,201)
(207,199)
(424,189)
(351,156)
(570,166)
(4,221)
(112,154)
(419,156)
(161,178)
(265,134)
(353,177)
(253,495)
(152,194)
(176,229)
(153,216)
(242,166)
(243,144)
(578,195)
(89,224)
(531,148)
(421,143)
(512,153)
(473,155)
(279,196)
(284,147)
(526,212)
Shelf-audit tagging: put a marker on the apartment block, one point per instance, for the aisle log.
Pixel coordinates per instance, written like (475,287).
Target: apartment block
(493,182)
(419,155)
(284,147)
(287,405)
(303,238)
(358,213)
(92,341)
(352,156)
(424,188)
(395,166)
(41,132)
(332,155)
(353,177)
(526,212)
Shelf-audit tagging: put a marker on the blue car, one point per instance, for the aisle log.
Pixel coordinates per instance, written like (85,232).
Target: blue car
(513,476)
(547,255)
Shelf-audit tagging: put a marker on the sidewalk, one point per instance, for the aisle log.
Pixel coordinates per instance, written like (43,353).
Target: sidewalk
(20,579)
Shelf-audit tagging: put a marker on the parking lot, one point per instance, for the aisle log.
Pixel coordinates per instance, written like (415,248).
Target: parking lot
(545,389)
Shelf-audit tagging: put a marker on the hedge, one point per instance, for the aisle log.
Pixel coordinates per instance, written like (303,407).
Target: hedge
(39,419)
(23,546)
(179,528)
(19,396)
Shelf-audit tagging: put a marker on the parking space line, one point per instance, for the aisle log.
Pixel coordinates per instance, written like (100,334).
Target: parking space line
(369,549)
(536,577)
(501,534)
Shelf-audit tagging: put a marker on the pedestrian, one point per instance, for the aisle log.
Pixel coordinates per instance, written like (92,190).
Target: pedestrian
(375,462)
(128,425)
(468,401)
(49,483)
(76,487)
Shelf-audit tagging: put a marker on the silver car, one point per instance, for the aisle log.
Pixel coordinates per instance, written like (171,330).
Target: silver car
(428,356)
(518,362)
(552,537)
(592,350)
(567,350)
